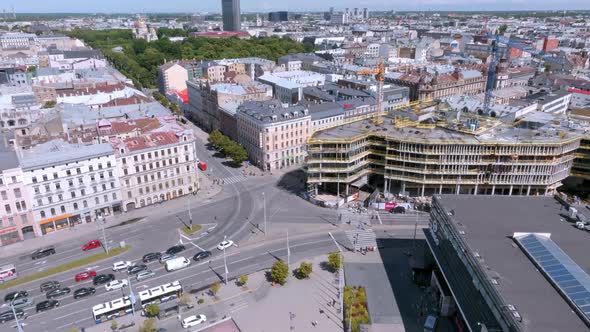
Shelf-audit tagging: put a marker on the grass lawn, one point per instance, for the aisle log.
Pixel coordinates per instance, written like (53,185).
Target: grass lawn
(189,231)
(65,267)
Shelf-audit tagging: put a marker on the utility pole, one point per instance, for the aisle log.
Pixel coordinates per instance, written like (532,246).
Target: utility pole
(225,262)
(18,326)
(288,251)
(104,236)
(264,209)
(190,215)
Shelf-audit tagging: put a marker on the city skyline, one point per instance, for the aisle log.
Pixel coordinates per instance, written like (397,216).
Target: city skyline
(132,6)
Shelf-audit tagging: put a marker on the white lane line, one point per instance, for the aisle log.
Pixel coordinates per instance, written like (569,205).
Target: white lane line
(70,314)
(70,324)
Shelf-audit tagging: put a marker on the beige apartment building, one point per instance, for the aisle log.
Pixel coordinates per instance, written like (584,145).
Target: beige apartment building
(172,77)
(274,136)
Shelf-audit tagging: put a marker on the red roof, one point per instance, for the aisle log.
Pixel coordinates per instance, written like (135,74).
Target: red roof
(150,140)
(574,90)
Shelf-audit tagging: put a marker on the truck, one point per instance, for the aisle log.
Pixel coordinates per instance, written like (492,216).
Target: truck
(177,264)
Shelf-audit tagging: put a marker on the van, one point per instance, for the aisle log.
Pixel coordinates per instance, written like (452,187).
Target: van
(177,264)
(430,323)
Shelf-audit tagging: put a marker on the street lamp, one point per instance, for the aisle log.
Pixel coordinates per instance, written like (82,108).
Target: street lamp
(264,209)
(104,237)
(18,326)
(224,262)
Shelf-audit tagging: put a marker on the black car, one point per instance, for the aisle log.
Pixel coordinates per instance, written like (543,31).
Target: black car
(43,252)
(201,255)
(176,249)
(46,305)
(83,292)
(9,315)
(398,209)
(49,285)
(152,256)
(58,292)
(103,279)
(15,295)
(135,269)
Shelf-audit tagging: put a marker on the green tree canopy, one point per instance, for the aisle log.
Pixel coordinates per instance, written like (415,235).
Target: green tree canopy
(279,272)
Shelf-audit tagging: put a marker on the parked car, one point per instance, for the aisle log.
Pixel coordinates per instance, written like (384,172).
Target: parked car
(175,249)
(22,302)
(46,305)
(152,256)
(7,316)
(136,269)
(201,255)
(193,320)
(225,244)
(398,209)
(91,245)
(116,284)
(43,252)
(121,265)
(58,292)
(103,279)
(85,275)
(83,292)
(145,274)
(166,257)
(15,295)
(49,285)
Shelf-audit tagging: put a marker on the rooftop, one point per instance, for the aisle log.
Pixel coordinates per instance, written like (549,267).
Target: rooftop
(8,157)
(57,152)
(487,224)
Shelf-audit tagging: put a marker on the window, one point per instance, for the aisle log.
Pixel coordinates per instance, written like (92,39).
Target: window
(85,204)
(4,195)
(78,171)
(136,169)
(73,194)
(156,154)
(62,209)
(23,204)
(149,155)
(91,177)
(60,197)
(108,164)
(42,214)
(110,174)
(147,190)
(141,191)
(52,211)
(82,192)
(18,208)
(80,181)
(104,187)
(127,182)
(112,185)
(68,173)
(39,202)
(139,179)
(96,200)
(142,156)
(125,171)
(10,221)
(50,199)
(129,195)
(135,158)
(94,188)
(54,175)
(175,150)
(34,179)
(70,183)
(90,168)
(106,198)
(100,166)
(23,219)
(47,188)
(75,206)
(124,162)
(44,177)
(57,186)
(114,196)
(101,175)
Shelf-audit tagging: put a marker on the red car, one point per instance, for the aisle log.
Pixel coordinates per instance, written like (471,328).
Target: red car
(91,245)
(85,275)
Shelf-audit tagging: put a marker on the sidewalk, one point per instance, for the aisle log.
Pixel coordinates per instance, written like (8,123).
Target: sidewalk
(208,190)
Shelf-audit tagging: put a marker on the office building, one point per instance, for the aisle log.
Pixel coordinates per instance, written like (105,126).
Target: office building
(281,16)
(231,15)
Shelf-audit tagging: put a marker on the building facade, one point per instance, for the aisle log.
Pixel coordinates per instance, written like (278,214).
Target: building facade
(70,184)
(274,136)
(172,77)
(231,15)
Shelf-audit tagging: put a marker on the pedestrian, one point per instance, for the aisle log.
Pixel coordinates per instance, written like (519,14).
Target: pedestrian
(215,217)
(333,302)
(209,262)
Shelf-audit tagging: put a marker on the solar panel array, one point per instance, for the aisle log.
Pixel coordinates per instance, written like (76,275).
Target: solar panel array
(562,271)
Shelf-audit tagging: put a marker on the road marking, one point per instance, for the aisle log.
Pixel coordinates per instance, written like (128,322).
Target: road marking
(72,313)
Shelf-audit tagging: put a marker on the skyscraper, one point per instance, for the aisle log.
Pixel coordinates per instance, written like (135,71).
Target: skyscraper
(231,15)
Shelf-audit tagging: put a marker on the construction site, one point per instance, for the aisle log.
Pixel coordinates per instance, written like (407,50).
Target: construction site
(428,149)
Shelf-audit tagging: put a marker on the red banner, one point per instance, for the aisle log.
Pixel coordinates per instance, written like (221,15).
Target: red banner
(389,205)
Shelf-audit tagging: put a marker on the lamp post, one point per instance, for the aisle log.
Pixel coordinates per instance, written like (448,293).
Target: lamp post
(264,210)
(18,326)
(288,251)
(104,236)
(131,297)
(224,263)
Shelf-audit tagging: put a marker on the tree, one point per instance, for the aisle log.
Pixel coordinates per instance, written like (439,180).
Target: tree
(152,310)
(334,261)
(305,270)
(215,287)
(149,325)
(49,104)
(279,272)
(215,138)
(502,29)
(237,153)
(243,279)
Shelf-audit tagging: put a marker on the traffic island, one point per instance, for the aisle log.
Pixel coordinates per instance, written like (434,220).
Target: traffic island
(66,267)
(188,231)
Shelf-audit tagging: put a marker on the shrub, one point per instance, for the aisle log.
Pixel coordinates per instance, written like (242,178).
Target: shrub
(243,279)
(334,261)
(304,270)
(149,325)
(279,272)
(114,324)
(215,287)
(152,310)
(200,301)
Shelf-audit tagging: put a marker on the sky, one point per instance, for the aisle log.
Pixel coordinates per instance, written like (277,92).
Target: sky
(191,6)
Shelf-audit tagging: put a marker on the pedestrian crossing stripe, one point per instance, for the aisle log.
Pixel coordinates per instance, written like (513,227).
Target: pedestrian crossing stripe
(234,179)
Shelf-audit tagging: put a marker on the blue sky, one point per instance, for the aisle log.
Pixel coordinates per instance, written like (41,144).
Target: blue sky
(189,6)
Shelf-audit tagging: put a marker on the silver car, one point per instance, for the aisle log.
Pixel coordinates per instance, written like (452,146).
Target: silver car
(166,257)
(145,274)
(22,302)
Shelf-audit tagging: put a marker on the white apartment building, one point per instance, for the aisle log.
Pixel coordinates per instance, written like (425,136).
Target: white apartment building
(70,183)
(155,167)
(9,41)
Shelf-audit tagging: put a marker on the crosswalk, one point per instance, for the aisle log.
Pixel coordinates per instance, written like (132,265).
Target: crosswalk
(405,218)
(361,238)
(234,179)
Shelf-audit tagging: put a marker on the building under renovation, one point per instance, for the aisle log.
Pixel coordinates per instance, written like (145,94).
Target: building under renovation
(430,149)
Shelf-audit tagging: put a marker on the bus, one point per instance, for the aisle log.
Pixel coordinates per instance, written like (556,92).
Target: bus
(7,272)
(113,309)
(160,294)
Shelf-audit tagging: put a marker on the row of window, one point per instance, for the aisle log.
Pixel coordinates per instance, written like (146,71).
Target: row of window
(156,154)
(45,177)
(62,208)
(152,165)
(57,185)
(169,172)
(20,206)
(16,191)
(10,221)
(160,186)
(60,197)
(12,178)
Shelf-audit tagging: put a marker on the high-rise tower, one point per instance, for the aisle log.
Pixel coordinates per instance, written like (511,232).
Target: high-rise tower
(231,15)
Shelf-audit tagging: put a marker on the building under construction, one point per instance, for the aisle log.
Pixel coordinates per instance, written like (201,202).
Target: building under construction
(430,149)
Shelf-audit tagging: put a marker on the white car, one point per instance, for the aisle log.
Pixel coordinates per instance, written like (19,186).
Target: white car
(194,320)
(121,265)
(116,284)
(225,244)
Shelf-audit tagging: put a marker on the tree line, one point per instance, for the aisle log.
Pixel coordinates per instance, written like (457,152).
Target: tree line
(229,148)
(139,59)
